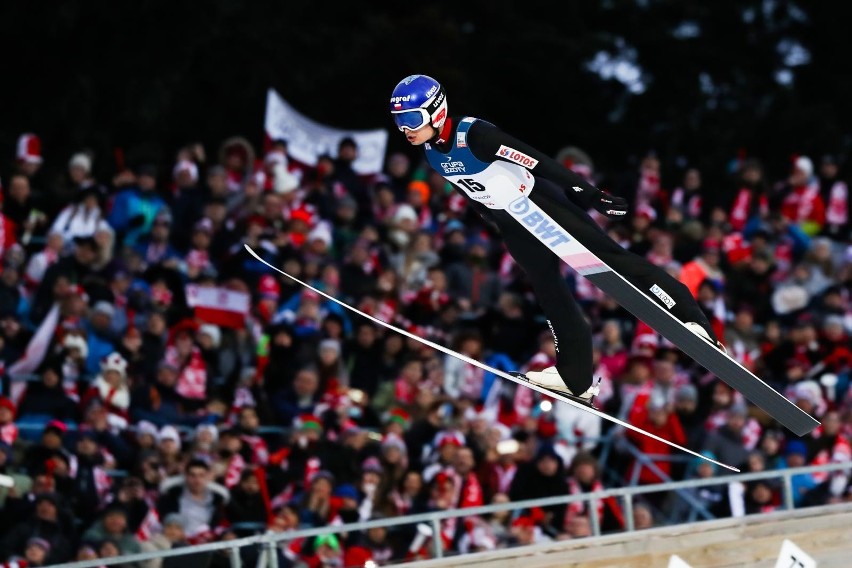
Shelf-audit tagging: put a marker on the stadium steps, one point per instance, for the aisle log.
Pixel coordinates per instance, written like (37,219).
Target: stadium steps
(825,533)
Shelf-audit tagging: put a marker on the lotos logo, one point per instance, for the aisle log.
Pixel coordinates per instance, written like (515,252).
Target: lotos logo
(663,296)
(538,224)
(515,156)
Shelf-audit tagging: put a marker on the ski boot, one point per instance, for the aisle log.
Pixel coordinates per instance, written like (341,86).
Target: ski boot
(699,330)
(550,379)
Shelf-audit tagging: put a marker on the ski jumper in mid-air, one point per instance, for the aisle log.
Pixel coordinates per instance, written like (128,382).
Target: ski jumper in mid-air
(474,155)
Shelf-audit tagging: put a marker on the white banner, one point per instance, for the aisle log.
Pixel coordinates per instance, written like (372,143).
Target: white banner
(217,298)
(307,140)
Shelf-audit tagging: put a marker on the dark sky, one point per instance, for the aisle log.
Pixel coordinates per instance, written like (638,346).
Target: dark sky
(692,80)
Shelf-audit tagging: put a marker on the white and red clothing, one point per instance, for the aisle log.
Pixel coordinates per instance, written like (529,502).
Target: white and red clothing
(804,205)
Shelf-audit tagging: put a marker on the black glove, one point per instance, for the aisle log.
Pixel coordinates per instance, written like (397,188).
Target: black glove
(609,205)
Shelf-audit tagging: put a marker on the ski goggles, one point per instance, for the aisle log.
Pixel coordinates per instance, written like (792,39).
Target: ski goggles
(411,119)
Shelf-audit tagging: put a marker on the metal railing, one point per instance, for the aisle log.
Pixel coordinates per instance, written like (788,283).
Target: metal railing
(268,543)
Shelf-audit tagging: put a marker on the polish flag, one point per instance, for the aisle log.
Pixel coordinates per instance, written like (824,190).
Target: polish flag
(219,306)
(34,355)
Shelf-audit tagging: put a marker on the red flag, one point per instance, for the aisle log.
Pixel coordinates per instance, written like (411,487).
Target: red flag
(219,306)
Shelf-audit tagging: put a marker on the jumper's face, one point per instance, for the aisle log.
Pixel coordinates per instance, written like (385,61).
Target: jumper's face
(419,136)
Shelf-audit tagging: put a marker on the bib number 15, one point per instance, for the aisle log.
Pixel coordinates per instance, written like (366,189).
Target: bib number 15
(471,185)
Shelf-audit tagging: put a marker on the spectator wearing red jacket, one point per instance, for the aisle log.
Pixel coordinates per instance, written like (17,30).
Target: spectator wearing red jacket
(657,418)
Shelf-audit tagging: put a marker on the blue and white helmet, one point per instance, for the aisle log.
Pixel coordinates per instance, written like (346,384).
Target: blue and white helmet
(418,100)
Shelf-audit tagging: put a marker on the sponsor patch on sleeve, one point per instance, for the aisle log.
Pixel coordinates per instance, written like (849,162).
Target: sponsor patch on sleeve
(513,155)
(461,139)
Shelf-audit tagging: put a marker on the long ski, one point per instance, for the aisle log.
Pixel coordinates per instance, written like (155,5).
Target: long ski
(546,229)
(483,366)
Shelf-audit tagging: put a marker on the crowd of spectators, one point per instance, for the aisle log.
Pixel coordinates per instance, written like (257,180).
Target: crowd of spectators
(132,421)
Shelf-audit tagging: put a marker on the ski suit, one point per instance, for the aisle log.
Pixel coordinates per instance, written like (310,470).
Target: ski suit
(471,154)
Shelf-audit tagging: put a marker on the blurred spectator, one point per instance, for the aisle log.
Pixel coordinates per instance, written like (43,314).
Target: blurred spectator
(727,442)
(544,475)
(113,526)
(801,201)
(292,413)
(199,500)
(45,523)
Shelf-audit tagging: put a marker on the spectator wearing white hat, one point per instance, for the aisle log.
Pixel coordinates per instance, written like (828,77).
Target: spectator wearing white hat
(169,449)
(802,203)
(110,389)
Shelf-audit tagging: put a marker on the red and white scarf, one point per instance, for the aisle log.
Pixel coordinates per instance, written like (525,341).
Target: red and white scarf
(192,381)
(837,212)
(804,203)
(742,208)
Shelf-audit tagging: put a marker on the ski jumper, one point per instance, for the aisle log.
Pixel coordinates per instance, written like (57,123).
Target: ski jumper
(473,154)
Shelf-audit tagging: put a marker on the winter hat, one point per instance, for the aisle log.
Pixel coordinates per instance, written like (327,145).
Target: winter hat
(372,464)
(82,161)
(394,441)
(738,409)
(321,233)
(144,427)
(328,540)
(105,308)
(174,519)
(29,149)
(797,447)
(186,165)
(114,362)
(169,433)
(283,182)
(275,157)
(213,332)
(788,299)
(323,474)
(56,426)
(448,438)
(804,165)
(399,416)
(686,393)
(214,431)
(421,187)
(203,225)
(346,491)
(548,450)
(268,287)
(809,391)
(404,212)
(39,542)
(309,422)
(9,404)
(331,344)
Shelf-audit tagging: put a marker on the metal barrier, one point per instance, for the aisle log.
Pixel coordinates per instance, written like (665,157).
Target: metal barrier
(269,542)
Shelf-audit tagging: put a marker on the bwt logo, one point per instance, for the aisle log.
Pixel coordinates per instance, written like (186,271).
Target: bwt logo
(535,220)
